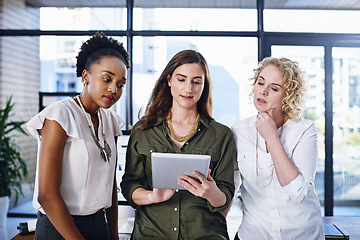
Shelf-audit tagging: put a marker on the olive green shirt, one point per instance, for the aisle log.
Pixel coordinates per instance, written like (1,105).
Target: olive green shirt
(184,216)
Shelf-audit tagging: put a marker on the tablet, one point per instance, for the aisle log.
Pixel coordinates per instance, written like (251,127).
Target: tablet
(168,167)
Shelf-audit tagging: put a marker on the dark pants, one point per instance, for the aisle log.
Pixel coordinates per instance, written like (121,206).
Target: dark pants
(236,237)
(92,227)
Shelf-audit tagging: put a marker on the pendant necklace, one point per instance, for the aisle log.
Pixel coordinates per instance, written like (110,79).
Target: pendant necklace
(181,138)
(105,152)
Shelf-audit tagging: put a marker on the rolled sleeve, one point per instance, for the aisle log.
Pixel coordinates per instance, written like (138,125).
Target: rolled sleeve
(298,189)
(134,176)
(305,159)
(224,172)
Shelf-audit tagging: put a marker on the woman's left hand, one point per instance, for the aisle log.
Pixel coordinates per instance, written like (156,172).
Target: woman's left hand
(203,187)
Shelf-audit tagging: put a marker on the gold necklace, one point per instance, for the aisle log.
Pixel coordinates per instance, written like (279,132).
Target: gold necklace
(181,138)
(259,168)
(105,152)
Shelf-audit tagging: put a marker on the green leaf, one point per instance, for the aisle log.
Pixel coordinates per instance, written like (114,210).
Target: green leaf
(12,166)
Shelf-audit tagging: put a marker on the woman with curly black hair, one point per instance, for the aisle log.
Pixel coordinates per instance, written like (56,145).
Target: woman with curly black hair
(75,187)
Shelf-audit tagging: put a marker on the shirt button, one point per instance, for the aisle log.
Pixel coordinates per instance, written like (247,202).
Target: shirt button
(177,190)
(175,209)
(187,143)
(175,229)
(151,150)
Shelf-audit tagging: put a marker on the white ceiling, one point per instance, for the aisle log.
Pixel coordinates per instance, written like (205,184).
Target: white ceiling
(271,4)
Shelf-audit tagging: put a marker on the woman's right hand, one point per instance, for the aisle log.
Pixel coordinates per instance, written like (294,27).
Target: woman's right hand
(142,196)
(265,125)
(160,195)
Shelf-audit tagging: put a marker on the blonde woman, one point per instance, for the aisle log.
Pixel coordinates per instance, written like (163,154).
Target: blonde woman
(277,158)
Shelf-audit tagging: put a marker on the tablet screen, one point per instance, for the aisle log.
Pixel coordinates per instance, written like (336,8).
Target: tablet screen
(168,167)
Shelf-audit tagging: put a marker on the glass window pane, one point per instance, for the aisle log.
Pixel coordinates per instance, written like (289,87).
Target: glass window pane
(320,21)
(230,60)
(195,4)
(311,60)
(195,19)
(295,4)
(346,123)
(58,66)
(82,18)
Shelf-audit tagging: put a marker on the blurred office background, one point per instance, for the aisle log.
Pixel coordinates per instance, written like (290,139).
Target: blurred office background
(39,40)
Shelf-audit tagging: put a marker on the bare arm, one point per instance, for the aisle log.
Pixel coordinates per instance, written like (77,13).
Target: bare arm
(50,174)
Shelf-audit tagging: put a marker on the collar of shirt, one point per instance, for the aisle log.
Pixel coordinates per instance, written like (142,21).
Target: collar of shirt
(205,121)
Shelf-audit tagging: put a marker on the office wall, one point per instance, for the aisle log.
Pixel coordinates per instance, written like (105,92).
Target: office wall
(20,71)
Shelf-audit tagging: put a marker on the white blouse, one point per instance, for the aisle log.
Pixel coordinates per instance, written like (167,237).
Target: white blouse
(269,210)
(87,180)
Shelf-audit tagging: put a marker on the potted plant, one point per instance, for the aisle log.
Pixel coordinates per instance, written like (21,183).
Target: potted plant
(12,166)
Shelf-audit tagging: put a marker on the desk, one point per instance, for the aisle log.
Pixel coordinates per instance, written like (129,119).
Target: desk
(24,237)
(350,224)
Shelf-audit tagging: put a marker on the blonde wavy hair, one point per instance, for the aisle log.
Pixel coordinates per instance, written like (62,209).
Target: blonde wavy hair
(295,85)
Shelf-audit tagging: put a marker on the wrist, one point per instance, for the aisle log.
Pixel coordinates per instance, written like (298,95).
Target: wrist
(218,200)
(150,197)
(271,137)
(273,142)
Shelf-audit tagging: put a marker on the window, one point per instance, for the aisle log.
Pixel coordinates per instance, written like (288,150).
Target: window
(230,61)
(195,19)
(85,18)
(346,122)
(225,32)
(319,21)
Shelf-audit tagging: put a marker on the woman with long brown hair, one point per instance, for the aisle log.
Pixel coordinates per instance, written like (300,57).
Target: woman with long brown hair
(178,120)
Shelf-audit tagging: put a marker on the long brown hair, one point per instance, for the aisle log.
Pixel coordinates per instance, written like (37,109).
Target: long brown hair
(160,101)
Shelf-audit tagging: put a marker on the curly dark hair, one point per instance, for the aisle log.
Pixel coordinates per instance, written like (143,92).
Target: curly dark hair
(97,47)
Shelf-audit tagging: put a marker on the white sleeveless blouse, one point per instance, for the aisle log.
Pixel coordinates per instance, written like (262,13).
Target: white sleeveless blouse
(87,180)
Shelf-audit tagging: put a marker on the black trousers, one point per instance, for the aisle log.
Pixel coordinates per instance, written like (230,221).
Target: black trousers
(92,227)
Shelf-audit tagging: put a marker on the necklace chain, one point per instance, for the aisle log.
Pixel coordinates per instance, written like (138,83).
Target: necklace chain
(181,138)
(105,152)
(259,168)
